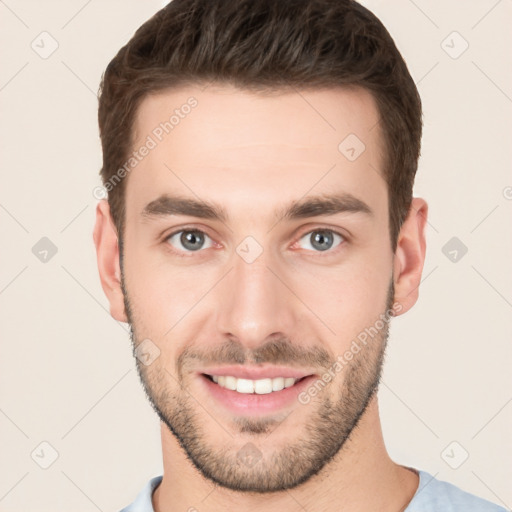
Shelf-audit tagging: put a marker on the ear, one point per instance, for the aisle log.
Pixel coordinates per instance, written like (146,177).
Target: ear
(107,253)
(410,255)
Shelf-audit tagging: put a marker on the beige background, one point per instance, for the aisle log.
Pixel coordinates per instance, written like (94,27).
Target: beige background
(67,376)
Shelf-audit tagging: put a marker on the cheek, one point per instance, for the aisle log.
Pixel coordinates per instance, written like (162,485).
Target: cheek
(347,298)
(164,297)
(348,306)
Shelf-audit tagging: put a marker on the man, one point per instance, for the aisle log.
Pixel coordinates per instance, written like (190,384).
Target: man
(259,234)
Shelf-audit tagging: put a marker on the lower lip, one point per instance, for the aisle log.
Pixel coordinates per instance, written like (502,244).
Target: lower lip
(253,403)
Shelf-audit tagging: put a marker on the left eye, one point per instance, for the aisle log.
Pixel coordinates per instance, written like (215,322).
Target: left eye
(191,240)
(322,239)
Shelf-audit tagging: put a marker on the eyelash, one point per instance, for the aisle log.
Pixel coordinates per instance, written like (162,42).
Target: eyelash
(186,254)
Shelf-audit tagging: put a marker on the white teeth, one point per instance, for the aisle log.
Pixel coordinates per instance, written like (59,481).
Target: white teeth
(230,383)
(277,384)
(263,386)
(244,386)
(260,386)
(290,381)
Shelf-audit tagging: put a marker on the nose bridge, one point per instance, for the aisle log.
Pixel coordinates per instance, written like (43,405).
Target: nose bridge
(255,304)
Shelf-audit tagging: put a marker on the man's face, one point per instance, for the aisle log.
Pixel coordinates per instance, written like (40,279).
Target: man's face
(258,295)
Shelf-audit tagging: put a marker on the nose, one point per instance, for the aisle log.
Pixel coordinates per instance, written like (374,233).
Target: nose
(254,302)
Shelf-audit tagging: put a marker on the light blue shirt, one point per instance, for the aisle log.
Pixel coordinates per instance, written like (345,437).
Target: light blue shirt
(432,495)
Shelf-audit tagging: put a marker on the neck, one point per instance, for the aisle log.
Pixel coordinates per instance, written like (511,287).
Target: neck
(361,476)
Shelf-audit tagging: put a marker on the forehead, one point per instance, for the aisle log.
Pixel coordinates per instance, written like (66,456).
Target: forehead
(301,118)
(265,147)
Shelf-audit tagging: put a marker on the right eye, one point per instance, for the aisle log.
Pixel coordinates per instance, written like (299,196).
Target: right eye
(191,240)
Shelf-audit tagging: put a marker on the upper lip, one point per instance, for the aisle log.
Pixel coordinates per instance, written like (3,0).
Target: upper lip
(257,372)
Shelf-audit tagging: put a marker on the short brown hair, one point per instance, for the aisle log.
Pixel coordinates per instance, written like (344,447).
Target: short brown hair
(264,45)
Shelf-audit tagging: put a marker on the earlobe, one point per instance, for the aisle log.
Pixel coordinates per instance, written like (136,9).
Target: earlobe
(107,254)
(410,255)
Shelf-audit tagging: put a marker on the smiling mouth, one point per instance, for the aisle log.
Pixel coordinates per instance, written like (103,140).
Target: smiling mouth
(250,386)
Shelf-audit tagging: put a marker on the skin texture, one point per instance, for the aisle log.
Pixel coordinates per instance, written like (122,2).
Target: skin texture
(294,305)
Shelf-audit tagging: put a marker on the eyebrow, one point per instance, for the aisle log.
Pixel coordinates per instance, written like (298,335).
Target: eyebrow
(312,206)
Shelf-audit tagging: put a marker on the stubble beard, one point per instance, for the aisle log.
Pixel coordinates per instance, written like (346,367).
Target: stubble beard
(327,426)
